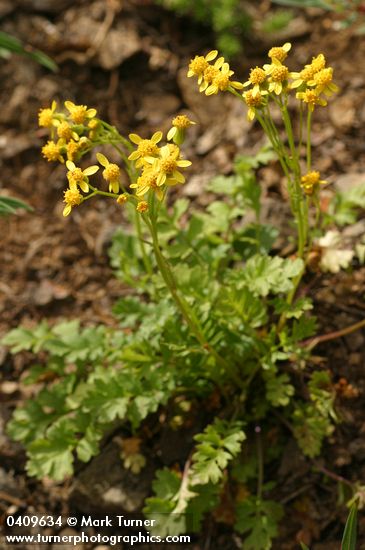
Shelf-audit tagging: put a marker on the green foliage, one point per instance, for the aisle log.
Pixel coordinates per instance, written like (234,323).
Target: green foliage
(258,520)
(313,421)
(345,206)
(11,44)
(218,445)
(226,17)
(92,381)
(9,205)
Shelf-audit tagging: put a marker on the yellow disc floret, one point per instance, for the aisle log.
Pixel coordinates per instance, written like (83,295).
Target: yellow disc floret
(312,98)
(64,131)
(142,206)
(145,147)
(310,181)
(79,113)
(72,197)
(46,116)
(280,52)
(51,151)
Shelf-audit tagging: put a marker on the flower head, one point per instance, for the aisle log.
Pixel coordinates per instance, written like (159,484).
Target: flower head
(312,98)
(122,199)
(200,63)
(78,177)
(111,173)
(46,116)
(254,101)
(221,81)
(145,147)
(323,82)
(148,181)
(257,78)
(278,76)
(72,197)
(79,113)
(310,182)
(142,206)
(51,151)
(279,53)
(179,125)
(307,74)
(167,165)
(65,131)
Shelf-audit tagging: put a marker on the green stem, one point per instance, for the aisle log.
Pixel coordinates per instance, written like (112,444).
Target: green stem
(260,462)
(183,306)
(309,147)
(145,258)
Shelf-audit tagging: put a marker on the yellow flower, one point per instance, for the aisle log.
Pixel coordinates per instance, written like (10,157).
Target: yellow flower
(323,82)
(73,148)
(254,102)
(142,206)
(111,173)
(79,113)
(145,147)
(167,166)
(279,53)
(307,74)
(179,125)
(46,116)
(312,98)
(147,181)
(78,177)
(51,151)
(210,73)
(64,131)
(256,79)
(221,81)
(310,181)
(122,199)
(199,64)
(278,76)
(72,197)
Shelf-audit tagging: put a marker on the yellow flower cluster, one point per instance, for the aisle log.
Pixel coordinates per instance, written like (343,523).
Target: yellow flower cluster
(213,78)
(273,79)
(311,181)
(67,131)
(160,166)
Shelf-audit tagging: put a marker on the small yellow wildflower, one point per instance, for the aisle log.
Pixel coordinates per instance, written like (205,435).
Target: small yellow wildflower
(147,181)
(221,81)
(111,173)
(72,197)
(210,73)
(256,79)
(167,165)
(142,206)
(46,116)
(312,98)
(278,76)
(51,151)
(179,125)
(94,125)
(145,147)
(279,53)
(79,113)
(254,102)
(78,177)
(307,74)
(199,64)
(122,199)
(64,131)
(310,181)
(323,82)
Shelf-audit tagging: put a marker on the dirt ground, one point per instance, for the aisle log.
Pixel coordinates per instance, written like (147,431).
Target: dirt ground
(128,59)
